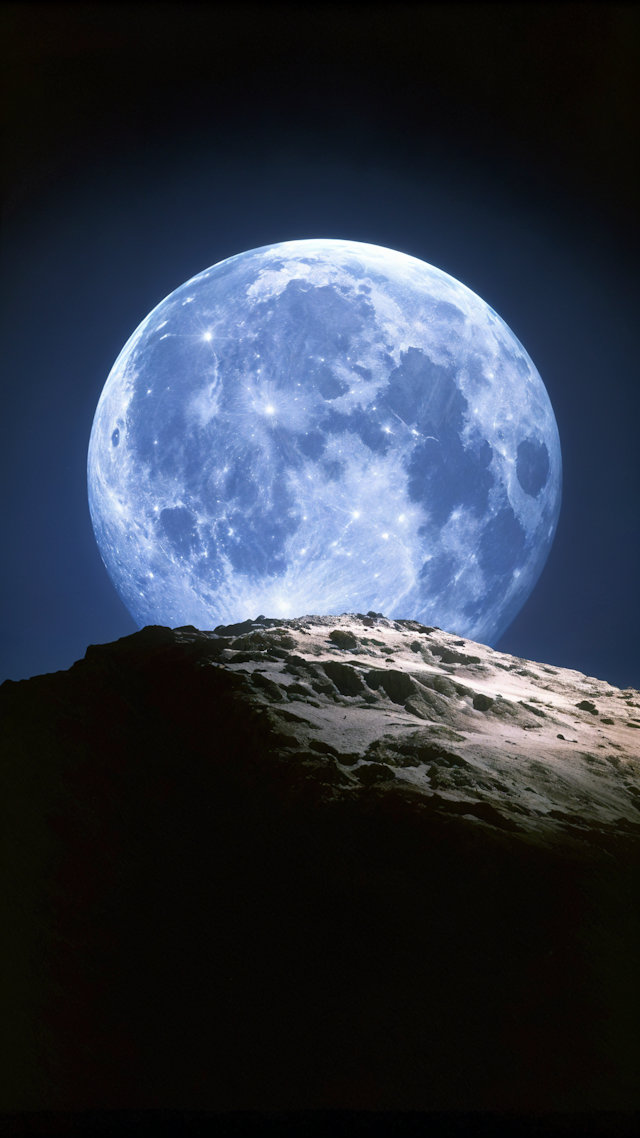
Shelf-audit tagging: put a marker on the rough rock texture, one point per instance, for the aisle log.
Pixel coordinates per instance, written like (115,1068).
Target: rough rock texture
(334,862)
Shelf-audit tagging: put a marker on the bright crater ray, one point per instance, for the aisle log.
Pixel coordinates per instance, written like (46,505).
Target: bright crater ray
(324,426)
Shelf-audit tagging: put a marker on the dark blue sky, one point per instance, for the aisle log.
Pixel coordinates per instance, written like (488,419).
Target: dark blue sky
(148,142)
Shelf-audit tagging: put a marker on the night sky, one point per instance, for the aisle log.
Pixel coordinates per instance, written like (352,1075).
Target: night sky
(145,143)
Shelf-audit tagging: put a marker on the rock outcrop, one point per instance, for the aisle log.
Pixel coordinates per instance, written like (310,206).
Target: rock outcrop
(334,862)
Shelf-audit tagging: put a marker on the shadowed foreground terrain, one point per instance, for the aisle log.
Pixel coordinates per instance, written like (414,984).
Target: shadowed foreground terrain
(337,863)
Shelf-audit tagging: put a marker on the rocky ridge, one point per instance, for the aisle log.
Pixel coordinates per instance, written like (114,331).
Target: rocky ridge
(326,863)
(546,752)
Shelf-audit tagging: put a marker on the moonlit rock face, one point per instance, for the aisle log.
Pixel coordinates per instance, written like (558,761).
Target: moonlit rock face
(324,426)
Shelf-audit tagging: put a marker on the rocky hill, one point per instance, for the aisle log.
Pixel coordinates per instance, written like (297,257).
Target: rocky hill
(333,862)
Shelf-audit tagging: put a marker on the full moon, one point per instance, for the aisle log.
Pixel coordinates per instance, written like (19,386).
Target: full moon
(324,426)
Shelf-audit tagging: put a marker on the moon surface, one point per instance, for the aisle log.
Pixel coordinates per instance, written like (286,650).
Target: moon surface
(324,426)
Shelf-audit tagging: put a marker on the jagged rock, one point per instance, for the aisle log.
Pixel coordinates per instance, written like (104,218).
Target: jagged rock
(448,656)
(428,705)
(240,873)
(346,679)
(418,706)
(370,773)
(273,690)
(343,639)
(439,683)
(482,702)
(587,705)
(398,685)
